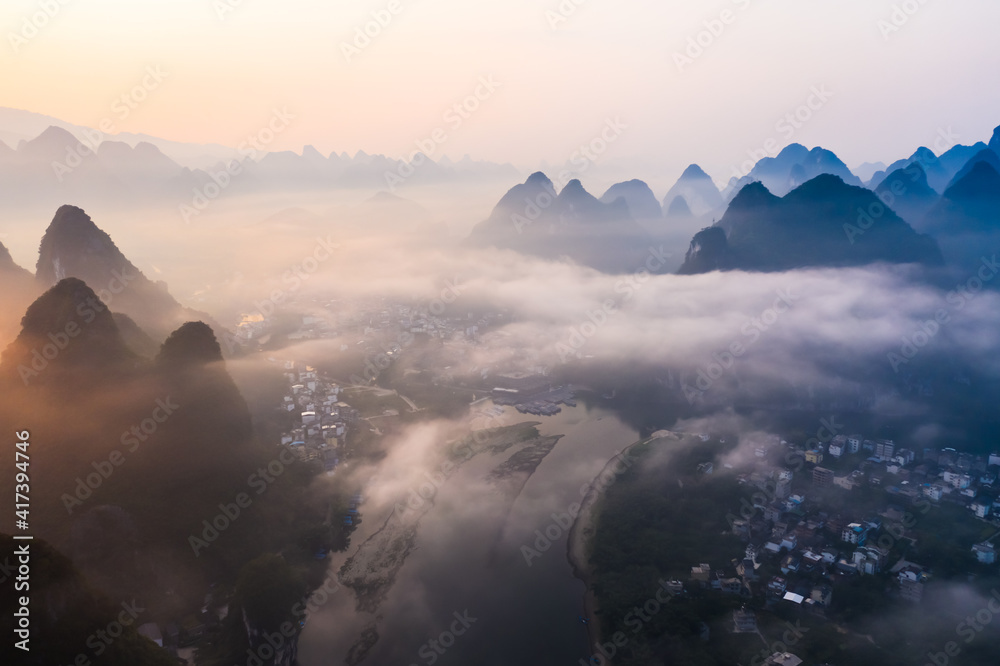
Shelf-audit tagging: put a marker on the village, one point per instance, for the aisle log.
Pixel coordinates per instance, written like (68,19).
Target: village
(806,528)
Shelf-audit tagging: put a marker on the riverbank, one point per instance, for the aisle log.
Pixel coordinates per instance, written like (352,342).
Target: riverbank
(582,531)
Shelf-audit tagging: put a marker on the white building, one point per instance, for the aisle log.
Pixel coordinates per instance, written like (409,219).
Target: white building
(985,553)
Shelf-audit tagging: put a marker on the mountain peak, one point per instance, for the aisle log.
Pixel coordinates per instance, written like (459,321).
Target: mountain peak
(639,199)
(823,186)
(73,238)
(793,151)
(193,343)
(694,171)
(539,179)
(311,153)
(924,155)
(573,188)
(806,228)
(679,207)
(752,195)
(74,246)
(66,326)
(53,135)
(52,143)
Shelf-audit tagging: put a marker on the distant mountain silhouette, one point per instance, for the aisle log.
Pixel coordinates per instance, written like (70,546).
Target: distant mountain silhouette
(907,192)
(532,218)
(641,201)
(940,170)
(8,269)
(811,226)
(934,168)
(971,205)
(699,191)
(790,168)
(19,289)
(957,157)
(868,170)
(58,163)
(985,155)
(73,246)
(679,209)
(995,141)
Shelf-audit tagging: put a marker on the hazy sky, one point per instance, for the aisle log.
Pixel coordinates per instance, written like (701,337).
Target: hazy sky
(227,70)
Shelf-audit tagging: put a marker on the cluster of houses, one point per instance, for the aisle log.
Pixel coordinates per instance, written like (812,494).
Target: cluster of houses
(321,418)
(938,475)
(795,551)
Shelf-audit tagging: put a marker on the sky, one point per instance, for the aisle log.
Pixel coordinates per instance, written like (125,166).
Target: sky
(881,81)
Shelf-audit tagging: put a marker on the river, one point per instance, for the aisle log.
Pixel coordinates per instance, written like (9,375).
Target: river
(470,571)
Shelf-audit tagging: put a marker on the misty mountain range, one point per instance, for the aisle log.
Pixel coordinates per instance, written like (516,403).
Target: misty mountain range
(74,247)
(58,163)
(801,208)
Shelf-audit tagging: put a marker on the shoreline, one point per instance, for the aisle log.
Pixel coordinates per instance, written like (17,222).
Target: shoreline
(582,529)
